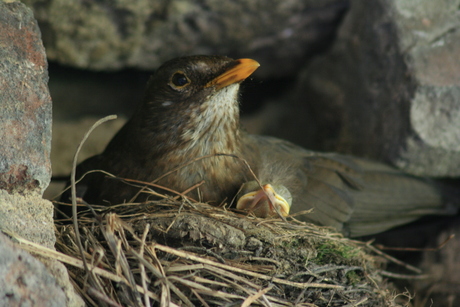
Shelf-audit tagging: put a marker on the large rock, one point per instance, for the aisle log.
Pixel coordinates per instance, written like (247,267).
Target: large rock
(25,136)
(430,40)
(25,121)
(389,89)
(145,33)
(25,116)
(25,280)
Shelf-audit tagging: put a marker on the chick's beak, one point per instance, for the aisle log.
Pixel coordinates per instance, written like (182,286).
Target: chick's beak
(265,202)
(237,73)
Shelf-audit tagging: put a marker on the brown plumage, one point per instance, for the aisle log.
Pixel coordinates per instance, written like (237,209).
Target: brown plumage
(190,110)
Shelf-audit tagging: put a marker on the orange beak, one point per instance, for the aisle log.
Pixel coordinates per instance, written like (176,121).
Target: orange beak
(264,202)
(243,69)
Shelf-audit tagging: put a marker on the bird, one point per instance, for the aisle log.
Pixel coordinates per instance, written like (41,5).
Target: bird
(185,136)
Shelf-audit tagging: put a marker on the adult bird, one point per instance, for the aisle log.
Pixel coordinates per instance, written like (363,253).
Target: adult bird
(189,117)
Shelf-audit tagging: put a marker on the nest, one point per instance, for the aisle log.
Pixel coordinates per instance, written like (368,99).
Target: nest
(173,253)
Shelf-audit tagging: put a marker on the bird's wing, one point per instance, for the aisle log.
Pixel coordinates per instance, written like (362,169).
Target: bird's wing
(354,195)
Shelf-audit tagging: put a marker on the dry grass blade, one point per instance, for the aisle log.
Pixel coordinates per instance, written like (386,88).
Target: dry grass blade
(142,267)
(251,299)
(72,181)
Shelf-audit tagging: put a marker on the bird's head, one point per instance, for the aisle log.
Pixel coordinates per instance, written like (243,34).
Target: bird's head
(193,79)
(196,97)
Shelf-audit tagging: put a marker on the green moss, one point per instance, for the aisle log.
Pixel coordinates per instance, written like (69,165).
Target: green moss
(292,243)
(335,252)
(353,277)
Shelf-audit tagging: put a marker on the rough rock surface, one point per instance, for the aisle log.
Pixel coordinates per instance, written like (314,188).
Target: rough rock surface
(28,216)
(430,39)
(25,116)
(25,137)
(143,34)
(25,280)
(389,89)
(25,121)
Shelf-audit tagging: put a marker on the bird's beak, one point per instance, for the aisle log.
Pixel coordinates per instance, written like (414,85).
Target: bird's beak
(242,69)
(264,202)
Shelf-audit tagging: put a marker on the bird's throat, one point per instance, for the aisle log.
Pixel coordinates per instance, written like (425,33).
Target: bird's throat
(214,126)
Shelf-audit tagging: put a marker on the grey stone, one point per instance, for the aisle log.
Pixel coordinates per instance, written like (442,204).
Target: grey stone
(29,216)
(25,121)
(59,271)
(389,88)
(25,280)
(25,115)
(430,39)
(25,137)
(144,34)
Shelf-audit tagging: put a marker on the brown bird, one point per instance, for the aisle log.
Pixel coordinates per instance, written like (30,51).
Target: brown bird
(190,115)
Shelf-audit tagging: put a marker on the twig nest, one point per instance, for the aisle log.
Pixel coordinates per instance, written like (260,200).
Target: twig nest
(182,254)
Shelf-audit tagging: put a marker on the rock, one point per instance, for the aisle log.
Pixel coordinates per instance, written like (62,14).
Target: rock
(389,88)
(25,121)
(144,34)
(25,116)
(25,141)
(59,271)
(25,280)
(430,39)
(28,216)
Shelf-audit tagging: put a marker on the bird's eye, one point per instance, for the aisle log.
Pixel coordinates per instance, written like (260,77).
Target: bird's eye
(179,80)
